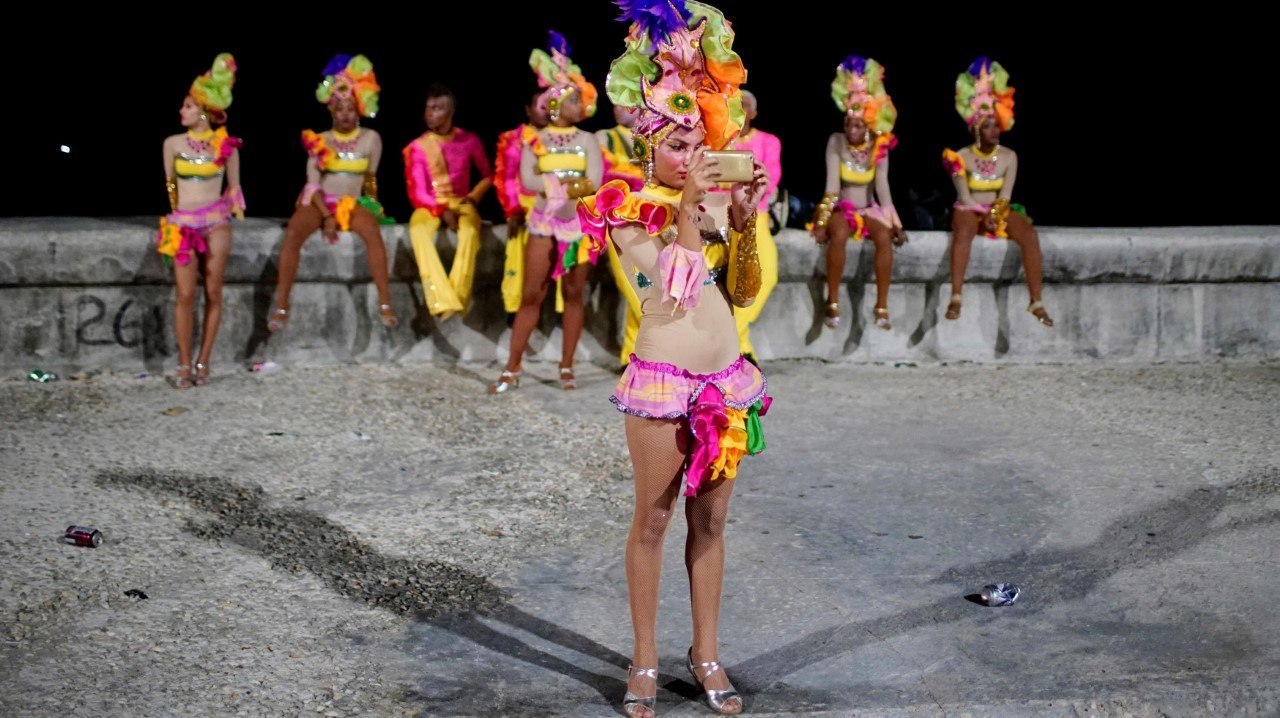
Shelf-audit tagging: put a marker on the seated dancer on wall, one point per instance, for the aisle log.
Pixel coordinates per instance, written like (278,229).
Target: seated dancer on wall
(857,166)
(984,174)
(341,193)
(437,171)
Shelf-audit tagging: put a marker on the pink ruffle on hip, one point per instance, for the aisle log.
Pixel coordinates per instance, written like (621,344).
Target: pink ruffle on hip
(655,390)
(203,218)
(561,229)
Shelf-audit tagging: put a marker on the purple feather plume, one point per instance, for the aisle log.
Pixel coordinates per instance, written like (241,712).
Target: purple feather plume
(979,65)
(558,43)
(337,64)
(658,18)
(855,64)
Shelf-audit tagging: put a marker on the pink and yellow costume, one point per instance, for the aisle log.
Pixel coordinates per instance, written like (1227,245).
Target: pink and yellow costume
(561,164)
(437,171)
(184,231)
(983,91)
(680,68)
(858,90)
(345,76)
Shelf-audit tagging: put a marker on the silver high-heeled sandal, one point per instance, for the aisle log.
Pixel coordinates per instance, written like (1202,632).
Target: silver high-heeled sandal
(506,382)
(202,375)
(567,380)
(279,320)
(718,700)
(631,700)
(387,315)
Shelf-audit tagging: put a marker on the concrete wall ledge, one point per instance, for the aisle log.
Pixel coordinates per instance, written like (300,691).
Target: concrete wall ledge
(92,293)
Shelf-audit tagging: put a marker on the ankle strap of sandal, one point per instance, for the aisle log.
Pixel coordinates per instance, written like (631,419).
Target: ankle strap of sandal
(646,672)
(713,665)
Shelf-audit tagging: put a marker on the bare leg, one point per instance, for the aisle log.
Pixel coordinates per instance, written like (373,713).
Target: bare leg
(658,449)
(539,255)
(186,277)
(304,222)
(215,263)
(365,225)
(882,238)
(1024,234)
(574,289)
(838,232)
(964,227)
(706,514)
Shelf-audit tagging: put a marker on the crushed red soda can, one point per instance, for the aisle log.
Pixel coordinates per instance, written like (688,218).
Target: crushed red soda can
(83,536)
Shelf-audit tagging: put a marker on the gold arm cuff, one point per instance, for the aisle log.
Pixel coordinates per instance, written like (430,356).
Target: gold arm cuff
(744,265)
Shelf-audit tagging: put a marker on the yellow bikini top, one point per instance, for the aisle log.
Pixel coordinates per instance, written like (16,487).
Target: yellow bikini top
(852,173)
(980,181)
(347,162)
(564,162)
(196,167)
(355,163)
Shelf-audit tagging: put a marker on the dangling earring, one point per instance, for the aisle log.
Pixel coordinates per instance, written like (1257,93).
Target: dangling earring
(643,152)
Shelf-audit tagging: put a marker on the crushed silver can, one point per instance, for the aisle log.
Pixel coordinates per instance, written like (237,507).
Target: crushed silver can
(1000,594)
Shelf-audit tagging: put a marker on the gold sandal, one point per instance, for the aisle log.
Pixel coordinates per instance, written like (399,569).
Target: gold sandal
(832,320)
(1040,313)
(953,309)
(882,318)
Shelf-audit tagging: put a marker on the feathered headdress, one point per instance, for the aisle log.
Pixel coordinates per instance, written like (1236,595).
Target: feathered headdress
(859,90)
(679,67)
(557,73)
(347,76)
(983,91)
(212,90)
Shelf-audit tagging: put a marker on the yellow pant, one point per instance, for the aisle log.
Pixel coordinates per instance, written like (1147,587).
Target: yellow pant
(513,270)
(446,292)
(768,280)
(513,267)
(768,251)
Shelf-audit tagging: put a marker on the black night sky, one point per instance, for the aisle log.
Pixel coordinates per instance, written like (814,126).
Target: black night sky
(1153,120)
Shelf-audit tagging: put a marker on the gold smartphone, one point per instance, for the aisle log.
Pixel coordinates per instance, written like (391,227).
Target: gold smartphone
(735,165)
